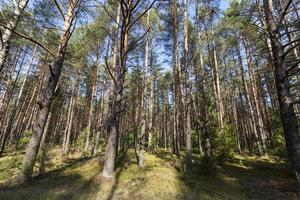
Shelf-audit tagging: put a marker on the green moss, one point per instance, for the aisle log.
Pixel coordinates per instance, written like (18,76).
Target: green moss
(77,177)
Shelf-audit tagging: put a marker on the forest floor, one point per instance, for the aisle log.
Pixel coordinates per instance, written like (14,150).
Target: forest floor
(78,177)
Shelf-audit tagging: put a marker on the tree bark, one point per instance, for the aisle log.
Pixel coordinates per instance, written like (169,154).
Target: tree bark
(188,103)
(287,113)
(47,96)
(116,99)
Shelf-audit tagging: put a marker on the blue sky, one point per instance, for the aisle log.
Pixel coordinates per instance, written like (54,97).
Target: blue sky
(224,4)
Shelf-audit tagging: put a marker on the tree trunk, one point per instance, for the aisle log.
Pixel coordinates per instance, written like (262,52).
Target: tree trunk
(90,130)
(258,113)
(47,97)
(11,113)
(68,130)
(140,150)
(116,101)
(188,156)
(287,113)
(248,102)
(218,97)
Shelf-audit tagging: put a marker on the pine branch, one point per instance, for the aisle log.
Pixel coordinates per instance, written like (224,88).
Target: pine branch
(29,38)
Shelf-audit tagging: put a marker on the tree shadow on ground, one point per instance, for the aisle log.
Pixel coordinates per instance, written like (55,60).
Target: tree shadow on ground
(62,183)
(129,180)
(121,163)
(251,180)
(167,156)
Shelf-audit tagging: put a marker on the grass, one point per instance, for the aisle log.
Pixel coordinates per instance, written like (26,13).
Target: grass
(241,177)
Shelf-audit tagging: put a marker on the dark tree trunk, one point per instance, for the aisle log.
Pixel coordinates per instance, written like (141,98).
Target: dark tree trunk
(287,113)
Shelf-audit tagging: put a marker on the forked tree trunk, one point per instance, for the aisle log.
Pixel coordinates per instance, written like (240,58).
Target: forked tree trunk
(116,101)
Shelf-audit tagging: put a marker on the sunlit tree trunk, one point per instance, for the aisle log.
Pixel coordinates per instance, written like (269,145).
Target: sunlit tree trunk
(258,113)
(90,129)
(71,110)
(188,103)
(117,96)
(217,87)
(143,99)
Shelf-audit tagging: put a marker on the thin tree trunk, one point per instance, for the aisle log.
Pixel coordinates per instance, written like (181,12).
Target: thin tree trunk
(68,130)
(90,131)
(248,102)
(140,150)
(258,112)
(188,156)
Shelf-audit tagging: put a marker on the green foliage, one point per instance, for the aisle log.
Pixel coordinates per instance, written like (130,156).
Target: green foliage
(25,138)
(13,162)
(277,145)
(130,138)
(226,143)
(208,165)
(80,142)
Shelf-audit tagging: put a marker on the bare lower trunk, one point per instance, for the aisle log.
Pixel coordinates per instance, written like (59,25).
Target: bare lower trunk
(188,156)
(71,116)
(218,97)
(43,146)
(110,151)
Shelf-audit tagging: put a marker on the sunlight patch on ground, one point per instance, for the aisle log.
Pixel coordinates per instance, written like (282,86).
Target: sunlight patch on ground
(79,177)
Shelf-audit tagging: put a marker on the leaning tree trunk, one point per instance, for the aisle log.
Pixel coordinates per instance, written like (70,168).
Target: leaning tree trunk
(47,98)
